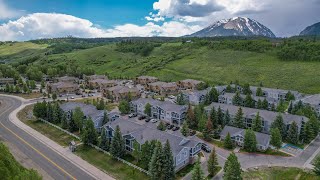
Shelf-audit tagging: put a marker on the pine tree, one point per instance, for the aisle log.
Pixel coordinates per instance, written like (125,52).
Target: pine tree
(72,125)
(212,163)
(168,163)
(220,119)
(237,100)
(89,134)
(246,89)
(208,130)
(248,101)
(232,168)
(78,118)
(227,143)
(308,132)
(156,163)
(293,134)
(213,95)
(124,107)
(180,99)
(161,126)
(117,147)
(56,113)
(250,141)
(259,104)
(104,142)
(197,173)
(238,120)
(316,164)
(54,96)
(265,104)
(184,130)
(257,123)
(229,89)
(64,121)
(227,118)
(214,118)
(276,140)
(105,118)
(49,112)
(190,119)
(259,92)
(136,151)
(202,123)
(101,105)
(278,123)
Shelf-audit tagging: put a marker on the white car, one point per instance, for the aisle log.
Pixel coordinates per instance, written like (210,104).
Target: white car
(72,97)
(154,120)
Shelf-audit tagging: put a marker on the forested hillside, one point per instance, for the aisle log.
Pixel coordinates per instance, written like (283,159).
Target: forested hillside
(292,63)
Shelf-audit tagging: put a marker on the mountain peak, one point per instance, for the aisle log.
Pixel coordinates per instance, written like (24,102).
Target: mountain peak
(311,30)
(236,26)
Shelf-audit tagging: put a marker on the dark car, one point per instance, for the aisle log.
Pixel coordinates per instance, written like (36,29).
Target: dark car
(206,148)
(142,117)
(148,119)
(170,126)
(175,128)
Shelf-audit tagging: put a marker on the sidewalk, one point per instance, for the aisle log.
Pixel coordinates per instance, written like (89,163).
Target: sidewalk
(64,152)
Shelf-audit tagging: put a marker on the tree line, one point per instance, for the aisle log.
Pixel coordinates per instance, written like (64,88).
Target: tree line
(138,47)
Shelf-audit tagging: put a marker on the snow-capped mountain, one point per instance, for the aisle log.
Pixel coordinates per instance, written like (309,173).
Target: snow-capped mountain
(237,26)
(311,30)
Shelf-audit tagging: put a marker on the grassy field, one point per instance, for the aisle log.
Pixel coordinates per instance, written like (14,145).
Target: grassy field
(26,96)
(52,133)
(15,48)
(106,163)
(279,173)
(173,61)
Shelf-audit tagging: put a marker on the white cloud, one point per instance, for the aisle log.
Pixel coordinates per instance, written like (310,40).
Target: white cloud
(7,12)
(49,25)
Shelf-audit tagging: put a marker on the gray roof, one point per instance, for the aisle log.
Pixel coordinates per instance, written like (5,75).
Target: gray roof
(87,109)
(143,133)
(197,93)
(262,139)
(313,100)
(165,105)
(147,77)
(283,91)
(266,115)
(256,98)
(191,81)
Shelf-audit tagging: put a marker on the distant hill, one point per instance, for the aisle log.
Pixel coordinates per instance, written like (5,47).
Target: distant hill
(237,26)
(311,30)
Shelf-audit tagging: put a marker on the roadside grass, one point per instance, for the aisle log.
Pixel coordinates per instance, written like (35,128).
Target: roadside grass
(279,173)
(108,164)
(268,152)
(56,135)
(25,96)
(184,171)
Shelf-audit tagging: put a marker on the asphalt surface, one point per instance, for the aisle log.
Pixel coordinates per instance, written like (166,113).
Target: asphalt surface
(50,161)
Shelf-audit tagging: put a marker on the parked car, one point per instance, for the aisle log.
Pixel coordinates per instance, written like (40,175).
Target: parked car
(60,95)
(132,115)
(148,119)
(205,148)
(175,128)
(83,95)
(71,97)
(154,120)
(142,117)
(170,126)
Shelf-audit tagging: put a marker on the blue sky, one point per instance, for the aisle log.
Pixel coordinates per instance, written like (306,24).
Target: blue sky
(22,20)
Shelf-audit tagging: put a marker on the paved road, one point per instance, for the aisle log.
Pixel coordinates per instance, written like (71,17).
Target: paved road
(51,162)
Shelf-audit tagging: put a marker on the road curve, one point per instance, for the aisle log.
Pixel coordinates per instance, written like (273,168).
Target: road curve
(50,161)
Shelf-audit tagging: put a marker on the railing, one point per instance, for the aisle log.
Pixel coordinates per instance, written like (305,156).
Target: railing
(97,148)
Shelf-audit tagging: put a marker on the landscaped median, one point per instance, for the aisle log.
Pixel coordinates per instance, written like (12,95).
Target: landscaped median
(101,160)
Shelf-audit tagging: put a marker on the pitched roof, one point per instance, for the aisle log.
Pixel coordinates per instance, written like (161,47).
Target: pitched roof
(256,98)
(87,109)
(146,77)
(262,139)
(266,115)
(165,105)
(192,81)
(312,100)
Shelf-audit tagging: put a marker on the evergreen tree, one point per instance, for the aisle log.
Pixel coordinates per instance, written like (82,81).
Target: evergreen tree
(56,113)
(54,96)
(246,89)
(316,164)
(168,163)
(104,142)
(293,134)
(156,163)
(250,141)
(281,106)
(227,143)
(191,119)
(238,120)
(214,118)
(259,92)
(101,105)
(136,151)
(180,99)
(232,168)
(64,121)
(220,119)
(89,134)
(117,147)
(25,88)
(199,116)
(208,130)
(161,126)
(213,95)
(290,96)
(197,173)
(212,163)
(276,140)
(314,124)
(273,107)
(184,130)
(265,104)
(147,109)
(202,123)
(40,110)
(227,118)
(147,150)
(49,112)
(237,99)
(229,89)
(7,89)
(248,101)
(78,118)
(259,104)
(278,123)
(257,123)
(105,118)
(72,125)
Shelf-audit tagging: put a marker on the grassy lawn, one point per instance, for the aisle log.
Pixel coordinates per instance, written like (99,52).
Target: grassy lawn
(109,106)
(269,152)
(52,133)
(106,163)
(26,96)
(279,173)
(215,142)
(184,171)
